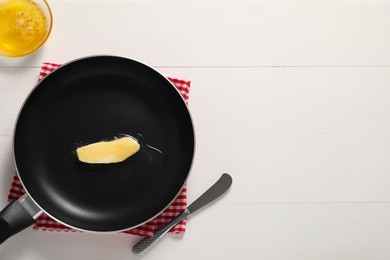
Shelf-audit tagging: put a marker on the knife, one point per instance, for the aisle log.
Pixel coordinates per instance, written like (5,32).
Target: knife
(222,185)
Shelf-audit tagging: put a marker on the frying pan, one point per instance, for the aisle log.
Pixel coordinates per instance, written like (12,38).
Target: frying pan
(89,100)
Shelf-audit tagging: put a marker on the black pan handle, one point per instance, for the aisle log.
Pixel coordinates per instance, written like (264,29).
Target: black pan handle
(16,216)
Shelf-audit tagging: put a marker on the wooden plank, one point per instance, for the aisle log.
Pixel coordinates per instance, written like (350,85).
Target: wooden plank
(290,100)
(280,168)
(221,33)
(278,232)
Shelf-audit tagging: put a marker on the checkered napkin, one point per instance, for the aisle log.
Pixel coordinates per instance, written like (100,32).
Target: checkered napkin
(45,223)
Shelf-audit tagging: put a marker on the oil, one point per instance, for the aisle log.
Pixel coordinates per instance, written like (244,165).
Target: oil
(149,160)
(23,27)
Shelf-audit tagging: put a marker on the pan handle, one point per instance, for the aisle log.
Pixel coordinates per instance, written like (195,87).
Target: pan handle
(18,215)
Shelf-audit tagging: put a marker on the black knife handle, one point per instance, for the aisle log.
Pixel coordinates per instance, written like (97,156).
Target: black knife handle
(147,242)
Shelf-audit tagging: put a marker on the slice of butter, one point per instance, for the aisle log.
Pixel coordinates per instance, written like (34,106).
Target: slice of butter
(105,152)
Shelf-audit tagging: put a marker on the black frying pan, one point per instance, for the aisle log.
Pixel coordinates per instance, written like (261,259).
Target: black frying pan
(89,100)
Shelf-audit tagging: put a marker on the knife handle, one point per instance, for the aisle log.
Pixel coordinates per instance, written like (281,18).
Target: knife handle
(146,243)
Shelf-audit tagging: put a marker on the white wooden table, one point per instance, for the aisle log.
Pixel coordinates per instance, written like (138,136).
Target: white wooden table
(292,98)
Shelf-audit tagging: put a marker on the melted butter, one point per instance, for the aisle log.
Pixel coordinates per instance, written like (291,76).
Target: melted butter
(23,27)
(150,160)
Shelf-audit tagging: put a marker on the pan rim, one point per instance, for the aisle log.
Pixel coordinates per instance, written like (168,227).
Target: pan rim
(89,230)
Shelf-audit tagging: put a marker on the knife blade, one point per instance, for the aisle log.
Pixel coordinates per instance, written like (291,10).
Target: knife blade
(215,191)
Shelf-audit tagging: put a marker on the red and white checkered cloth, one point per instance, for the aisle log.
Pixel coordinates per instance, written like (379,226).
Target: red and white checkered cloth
(45,223)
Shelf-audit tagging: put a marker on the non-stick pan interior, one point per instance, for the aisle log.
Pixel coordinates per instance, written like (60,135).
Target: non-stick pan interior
(94,99)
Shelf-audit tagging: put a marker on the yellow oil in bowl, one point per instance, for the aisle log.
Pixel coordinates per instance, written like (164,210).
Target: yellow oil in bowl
(24,27)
